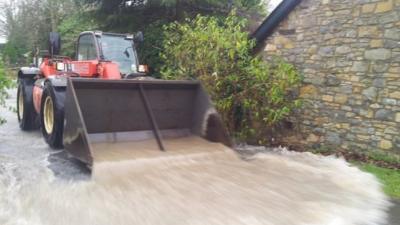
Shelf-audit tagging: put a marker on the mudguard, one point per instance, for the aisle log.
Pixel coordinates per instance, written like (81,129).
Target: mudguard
(28,72)
(58,81)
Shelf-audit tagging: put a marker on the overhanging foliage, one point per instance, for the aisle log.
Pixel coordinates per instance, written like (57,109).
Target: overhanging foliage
(251,94)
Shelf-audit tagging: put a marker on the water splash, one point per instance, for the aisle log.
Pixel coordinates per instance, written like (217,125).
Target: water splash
(273,187)
(270,188)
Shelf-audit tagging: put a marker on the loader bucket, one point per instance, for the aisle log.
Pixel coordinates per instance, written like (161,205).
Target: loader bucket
(121,119)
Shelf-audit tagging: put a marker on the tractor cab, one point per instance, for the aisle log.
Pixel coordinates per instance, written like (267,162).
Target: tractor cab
(104,48)
(98,55)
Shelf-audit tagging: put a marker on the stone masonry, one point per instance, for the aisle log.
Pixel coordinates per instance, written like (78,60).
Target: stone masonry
(349,54)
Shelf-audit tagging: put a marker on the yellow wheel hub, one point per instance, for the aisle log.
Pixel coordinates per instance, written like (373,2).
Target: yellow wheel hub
(20,105)
(48,115)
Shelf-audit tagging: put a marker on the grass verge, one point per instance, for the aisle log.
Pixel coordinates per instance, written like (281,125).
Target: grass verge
(390,178)
(384,165)
(375,157)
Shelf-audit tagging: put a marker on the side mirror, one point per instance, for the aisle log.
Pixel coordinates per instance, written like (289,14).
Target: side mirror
(54,43)
(138,37)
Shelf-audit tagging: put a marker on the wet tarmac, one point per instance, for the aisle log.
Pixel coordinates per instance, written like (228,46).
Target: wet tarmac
(41,186)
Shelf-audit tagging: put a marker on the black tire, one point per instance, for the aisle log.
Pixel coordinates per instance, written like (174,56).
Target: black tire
(53,134)
(27,117)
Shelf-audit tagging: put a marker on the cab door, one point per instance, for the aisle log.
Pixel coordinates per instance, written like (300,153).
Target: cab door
(87,56)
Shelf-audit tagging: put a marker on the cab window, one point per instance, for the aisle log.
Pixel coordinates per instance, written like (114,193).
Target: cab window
(87,48)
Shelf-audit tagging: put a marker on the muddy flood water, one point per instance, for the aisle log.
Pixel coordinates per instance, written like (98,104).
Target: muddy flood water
(40,186)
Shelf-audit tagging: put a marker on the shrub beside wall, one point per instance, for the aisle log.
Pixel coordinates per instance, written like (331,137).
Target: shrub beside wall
(251,95)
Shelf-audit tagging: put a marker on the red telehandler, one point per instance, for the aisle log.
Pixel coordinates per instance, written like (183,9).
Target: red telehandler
(98,107)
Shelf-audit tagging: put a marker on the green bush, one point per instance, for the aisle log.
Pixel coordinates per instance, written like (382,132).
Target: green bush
(13,53)
(250,94)
(70,29)
(4,84)
(149,50)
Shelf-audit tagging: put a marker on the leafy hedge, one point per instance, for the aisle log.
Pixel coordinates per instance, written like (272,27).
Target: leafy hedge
(250,94)
(70,29)
(4,84)
(149,50)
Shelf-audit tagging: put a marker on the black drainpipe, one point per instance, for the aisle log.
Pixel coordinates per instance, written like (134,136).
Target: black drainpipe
(273,20)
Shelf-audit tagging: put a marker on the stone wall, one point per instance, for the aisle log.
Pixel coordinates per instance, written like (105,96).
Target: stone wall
(349,53)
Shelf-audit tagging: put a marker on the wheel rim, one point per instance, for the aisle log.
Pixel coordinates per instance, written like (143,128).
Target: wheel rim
(48,115)
(20,105)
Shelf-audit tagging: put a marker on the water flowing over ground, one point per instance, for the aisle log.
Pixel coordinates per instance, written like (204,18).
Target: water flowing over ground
(40,186)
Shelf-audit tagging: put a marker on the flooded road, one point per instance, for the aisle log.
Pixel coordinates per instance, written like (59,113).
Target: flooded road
(40,186)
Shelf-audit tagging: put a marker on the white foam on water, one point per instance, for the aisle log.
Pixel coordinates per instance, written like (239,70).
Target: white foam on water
(352,197)
(273,188)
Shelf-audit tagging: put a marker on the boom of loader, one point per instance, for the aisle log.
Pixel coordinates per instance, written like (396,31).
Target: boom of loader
(136,114)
